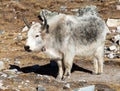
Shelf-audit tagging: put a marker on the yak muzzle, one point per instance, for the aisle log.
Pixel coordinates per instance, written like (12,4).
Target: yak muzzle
(27,48)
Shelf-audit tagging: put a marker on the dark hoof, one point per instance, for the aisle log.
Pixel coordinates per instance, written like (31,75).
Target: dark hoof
(99,73)
(96,73)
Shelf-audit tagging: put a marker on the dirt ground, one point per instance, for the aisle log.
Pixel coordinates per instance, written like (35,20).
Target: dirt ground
(35,70)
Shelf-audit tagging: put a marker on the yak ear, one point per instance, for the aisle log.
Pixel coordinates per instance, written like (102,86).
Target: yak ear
(44,24)
(47,29)
(40,18)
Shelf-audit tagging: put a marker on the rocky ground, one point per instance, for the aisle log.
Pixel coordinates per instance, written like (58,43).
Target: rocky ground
(22,71)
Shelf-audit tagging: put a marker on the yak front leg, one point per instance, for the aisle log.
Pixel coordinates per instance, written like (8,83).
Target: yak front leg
(60,70)
(68,62)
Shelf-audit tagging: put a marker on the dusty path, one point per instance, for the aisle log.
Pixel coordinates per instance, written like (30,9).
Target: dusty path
(111,73)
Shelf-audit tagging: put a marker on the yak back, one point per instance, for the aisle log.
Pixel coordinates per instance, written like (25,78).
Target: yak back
(83,30)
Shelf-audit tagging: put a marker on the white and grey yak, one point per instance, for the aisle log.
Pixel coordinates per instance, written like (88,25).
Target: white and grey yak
(62,37)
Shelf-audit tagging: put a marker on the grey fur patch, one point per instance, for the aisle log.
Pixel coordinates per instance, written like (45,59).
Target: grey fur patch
(88,10)
(59,34)
(48,14)
(88,30)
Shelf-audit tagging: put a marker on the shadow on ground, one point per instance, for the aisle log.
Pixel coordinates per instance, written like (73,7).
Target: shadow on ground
(47,69)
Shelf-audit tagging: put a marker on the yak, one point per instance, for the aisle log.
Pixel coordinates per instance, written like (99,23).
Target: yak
(62,37)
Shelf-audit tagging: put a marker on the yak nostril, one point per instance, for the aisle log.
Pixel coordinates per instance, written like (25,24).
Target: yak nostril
(26,47)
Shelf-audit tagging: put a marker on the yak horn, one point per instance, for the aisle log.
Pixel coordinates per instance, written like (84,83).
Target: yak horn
(44,20)
(26,22)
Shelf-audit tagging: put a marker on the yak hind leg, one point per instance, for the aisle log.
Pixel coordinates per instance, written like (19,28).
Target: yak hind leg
(99,60)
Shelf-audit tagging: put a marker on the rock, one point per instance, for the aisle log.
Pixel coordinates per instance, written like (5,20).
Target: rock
(118,55)
(83,81)
(113,31)
(67,86)
(74,10)
(40,88)
(18,38)
(116,38)
(1,86)
(89,88)
(16,89)
(63,8)
(113,22)
(2,31)
(27,81)
(25,29)
(113,48)
(4,75)
(33,22)
(2,65)
(111,55)
(118,29)
(19,86)
(26,84)
(11,71)
(17,61)
(1,83)
(5,59)
(118,7)
(39,75)
(15,17)
(46,77)
(12,76)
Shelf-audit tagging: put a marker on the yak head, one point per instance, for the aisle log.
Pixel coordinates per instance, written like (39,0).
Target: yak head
(36,35)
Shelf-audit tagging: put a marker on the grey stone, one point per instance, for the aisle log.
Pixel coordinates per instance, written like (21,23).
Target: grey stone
(5,59)
(67,86)
(4,75)
(18,38)
(89,88)
(118,7)
(111,55)
(46,77)
(113,48)
(17,61)
(118,29)
(40,88)
(2,31)
(2,65)
(113,22)
(63,8)
(2,87)
(116,38)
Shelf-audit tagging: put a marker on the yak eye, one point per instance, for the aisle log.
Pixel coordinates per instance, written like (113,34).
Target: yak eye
(37,36)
